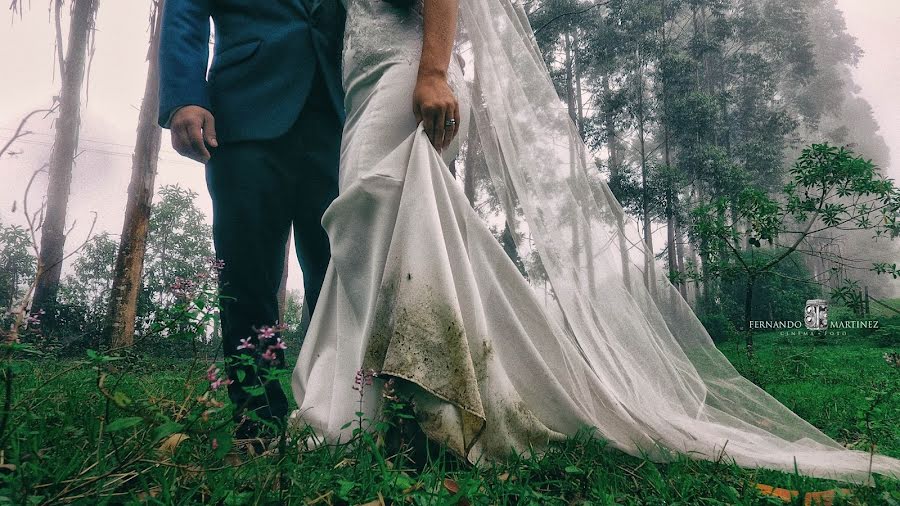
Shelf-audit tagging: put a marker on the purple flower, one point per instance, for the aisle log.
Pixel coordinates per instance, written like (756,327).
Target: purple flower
(215,385)
(363,378)
(216,381)
(183,288)
(266,332)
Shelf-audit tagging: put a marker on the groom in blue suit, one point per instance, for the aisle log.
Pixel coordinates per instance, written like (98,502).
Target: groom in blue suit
(267,123)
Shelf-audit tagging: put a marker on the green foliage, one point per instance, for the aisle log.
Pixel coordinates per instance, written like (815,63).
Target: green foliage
(831,189)
(888,333)
(294,320)
(179,244)
(700,104)
(17,263)
(719,326)
(186,326)
(84,294)
(178,248)
(843,190)
(79,427)
(779,295)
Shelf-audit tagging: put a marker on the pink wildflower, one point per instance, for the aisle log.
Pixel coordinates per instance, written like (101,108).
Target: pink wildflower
(215,444)
(269,354)
(216,381)
(363,378)
(219,382)
(279,345)
(246,344)
(266,332)
(183,288)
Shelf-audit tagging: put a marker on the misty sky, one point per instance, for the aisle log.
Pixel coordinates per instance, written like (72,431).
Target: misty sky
(100,180)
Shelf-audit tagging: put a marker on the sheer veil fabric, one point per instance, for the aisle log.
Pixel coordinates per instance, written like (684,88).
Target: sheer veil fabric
(419,289)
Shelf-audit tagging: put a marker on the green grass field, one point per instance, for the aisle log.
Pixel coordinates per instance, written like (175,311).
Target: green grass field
(90,431)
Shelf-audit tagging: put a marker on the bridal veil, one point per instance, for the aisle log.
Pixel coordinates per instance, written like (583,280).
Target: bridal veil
(650,352)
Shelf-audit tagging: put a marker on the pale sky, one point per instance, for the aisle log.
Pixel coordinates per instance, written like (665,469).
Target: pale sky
(100,181)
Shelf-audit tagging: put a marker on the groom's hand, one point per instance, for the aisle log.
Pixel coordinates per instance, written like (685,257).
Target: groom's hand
(193,128)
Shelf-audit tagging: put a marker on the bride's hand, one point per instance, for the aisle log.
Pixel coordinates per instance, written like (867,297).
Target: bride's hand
(435,105)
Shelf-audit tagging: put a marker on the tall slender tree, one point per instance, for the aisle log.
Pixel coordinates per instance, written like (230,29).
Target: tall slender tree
(126,287)
(73,70)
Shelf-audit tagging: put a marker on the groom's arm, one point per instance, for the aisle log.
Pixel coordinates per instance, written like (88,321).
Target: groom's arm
(183,57)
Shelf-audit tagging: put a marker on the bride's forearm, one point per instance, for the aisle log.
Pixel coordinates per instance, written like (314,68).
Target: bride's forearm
(439,34)
(434,103)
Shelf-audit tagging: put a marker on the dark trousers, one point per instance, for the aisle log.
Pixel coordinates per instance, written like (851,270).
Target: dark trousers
(259,189)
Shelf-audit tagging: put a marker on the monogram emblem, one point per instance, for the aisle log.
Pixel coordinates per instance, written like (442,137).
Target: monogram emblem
(816,314)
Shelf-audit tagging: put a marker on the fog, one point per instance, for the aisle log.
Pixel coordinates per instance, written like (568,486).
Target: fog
(28,81)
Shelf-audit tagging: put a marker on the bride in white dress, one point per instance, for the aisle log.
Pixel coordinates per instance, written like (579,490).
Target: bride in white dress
(420,290)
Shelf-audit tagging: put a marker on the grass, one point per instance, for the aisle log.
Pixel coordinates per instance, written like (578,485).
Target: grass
(63,443)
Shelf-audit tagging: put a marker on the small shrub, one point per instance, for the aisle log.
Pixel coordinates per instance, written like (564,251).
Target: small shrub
(719,326)
(888,333)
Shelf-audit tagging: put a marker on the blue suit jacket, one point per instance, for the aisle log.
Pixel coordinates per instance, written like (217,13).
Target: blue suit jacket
(266,56)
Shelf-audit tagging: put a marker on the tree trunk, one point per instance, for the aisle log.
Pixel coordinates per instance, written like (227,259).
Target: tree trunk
(62,159)
(649,263)
(579,100)
(570,80)
(671,192)
(698,284)
(748,306)
(613,162)
(473,143)
(679,255)
(472,146)
(282,287)
(120,320)
(706,294)
(573,152)
(612,141)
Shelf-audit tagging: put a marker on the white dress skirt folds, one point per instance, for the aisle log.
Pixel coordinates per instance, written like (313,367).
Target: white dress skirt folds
(419,289)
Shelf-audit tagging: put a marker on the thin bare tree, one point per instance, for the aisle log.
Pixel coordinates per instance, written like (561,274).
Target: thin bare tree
(62,158)
(120,319)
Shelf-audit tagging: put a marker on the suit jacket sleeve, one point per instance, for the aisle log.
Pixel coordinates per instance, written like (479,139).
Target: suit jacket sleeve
(183,56)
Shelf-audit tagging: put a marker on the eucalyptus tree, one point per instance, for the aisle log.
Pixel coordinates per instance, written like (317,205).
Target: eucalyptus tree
(73,58)
(129,264)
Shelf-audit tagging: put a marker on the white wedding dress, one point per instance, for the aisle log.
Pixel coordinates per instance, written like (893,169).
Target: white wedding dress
(419,289)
